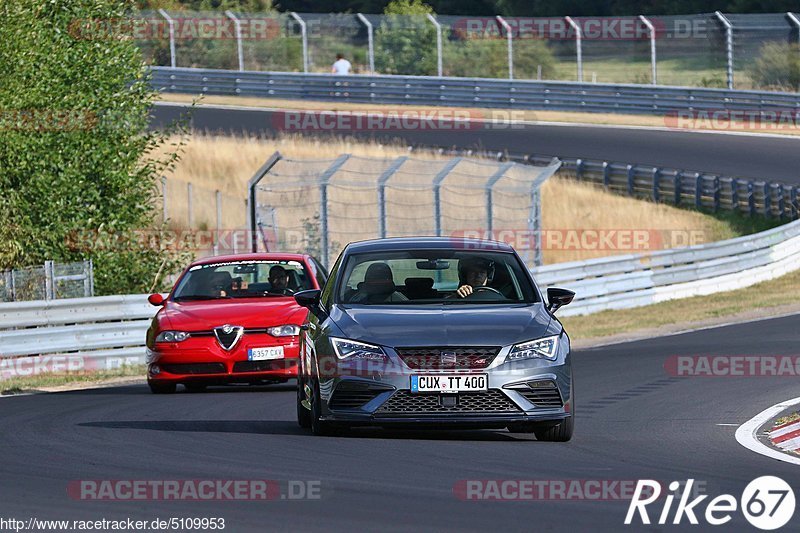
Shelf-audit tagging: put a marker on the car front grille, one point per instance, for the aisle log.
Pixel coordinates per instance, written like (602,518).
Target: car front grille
(448,357)
(542,393)
(194,368)
(404,403)
(263,366)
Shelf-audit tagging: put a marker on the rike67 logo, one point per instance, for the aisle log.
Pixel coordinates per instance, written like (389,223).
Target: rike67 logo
(767,503)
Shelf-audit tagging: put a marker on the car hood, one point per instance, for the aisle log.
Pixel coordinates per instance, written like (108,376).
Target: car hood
(250,313)
(447,325)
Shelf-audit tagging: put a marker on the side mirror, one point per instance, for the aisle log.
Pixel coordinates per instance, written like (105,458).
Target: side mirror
(156,299)
(309,299)
(557,298)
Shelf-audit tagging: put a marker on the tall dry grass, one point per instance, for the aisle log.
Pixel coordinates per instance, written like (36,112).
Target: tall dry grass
(226,164)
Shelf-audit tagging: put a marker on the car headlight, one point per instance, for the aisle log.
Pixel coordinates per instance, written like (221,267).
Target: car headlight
(544,348)
(172,336)
(284,331)
(348,349)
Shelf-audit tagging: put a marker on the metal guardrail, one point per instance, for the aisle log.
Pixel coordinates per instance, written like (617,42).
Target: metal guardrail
(474,92)
(688,188)
(106,332)
(643,279)
(74,335)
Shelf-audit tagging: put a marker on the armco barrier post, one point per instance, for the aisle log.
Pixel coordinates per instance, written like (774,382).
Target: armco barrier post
(631,173)
(579,168)
(751,200)
(656,180)
(698,190)
(734,194)
(795,208)
(606,174)
(767,201)
(677,188)
(716,194)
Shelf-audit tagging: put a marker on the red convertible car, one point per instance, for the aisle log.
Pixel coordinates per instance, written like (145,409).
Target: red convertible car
(230,319)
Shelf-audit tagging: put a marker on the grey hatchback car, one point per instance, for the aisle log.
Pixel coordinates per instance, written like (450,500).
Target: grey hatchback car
(434,332)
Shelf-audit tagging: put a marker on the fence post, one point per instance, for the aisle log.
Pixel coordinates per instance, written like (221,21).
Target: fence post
(796,22)
(793,198)
(438,44)
(49,285)
(656,184)
(437,185)
(218,202)
(171,24)
(304,35)
(510,40)
(370,42)
(252,202)
(728,45)
(578,45)
(606,174)
(238,25)
(716,194)
(631,175)
(751,200)
(13,285)
(324,180)
(165,214)
(734,194)
(388,173)
(677,187)
(652,31)
(494,178)
(781,200)
(578,168)
(189,205)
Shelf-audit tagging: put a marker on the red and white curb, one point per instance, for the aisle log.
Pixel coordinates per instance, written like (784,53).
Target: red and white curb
(747,433)
(786,436)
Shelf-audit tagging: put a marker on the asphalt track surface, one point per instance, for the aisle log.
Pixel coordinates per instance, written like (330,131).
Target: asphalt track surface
(633,421)
(770,158)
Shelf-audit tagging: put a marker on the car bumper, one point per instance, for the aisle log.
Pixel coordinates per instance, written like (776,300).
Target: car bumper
(206,362)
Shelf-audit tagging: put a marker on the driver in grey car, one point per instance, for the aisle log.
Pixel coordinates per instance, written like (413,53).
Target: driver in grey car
(473,272)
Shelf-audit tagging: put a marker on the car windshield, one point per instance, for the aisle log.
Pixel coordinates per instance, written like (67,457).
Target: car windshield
(243,279)
(434,277)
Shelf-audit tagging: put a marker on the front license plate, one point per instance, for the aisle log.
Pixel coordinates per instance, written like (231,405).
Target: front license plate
(261,354)
(449,383)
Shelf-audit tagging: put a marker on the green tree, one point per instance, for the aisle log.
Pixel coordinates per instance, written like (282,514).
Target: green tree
(406,40)
(75,153)
(777,66)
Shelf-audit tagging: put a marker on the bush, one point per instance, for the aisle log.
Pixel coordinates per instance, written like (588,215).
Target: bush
(777,66)
(74,149)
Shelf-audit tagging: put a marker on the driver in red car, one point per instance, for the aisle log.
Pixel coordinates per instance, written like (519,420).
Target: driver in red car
(279,281)
(473,272)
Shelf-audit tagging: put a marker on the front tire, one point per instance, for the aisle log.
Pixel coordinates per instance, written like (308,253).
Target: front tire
(318,427)
(560,433)
(161,388)
(303,414)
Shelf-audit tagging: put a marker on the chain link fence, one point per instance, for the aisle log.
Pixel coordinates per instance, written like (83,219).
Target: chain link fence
(47,282)
(319,206)
(706,50)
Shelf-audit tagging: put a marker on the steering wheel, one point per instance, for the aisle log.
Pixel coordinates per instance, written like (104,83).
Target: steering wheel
(486,288)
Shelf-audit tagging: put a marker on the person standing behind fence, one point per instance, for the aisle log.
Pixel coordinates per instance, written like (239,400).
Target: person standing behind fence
(341,67)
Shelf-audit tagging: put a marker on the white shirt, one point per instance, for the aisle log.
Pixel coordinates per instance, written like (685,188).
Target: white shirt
(341,67)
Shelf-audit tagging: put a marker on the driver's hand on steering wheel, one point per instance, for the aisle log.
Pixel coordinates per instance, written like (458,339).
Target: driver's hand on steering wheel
(464,291)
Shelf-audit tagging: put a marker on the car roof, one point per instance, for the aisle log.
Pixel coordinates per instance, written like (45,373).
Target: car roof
(266,256)
(428,243)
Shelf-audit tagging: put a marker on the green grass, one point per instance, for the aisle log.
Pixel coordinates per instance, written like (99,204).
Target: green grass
(31,383)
